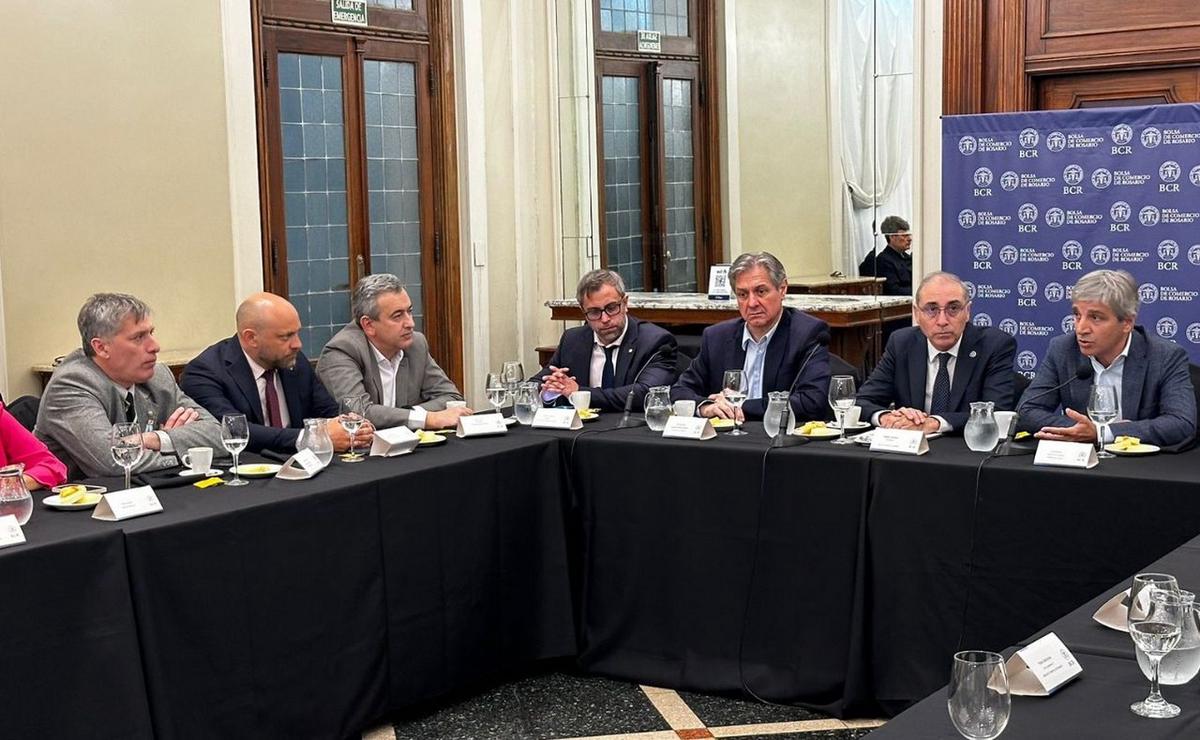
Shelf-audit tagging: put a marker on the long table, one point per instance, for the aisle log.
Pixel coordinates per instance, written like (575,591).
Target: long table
(834,577)
(305,609)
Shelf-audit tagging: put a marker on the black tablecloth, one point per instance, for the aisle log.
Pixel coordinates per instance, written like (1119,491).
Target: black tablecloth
(293,608)
(676,592)
(1094,705)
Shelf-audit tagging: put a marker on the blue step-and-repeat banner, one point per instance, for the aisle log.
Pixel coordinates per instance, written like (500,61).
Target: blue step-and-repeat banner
(1033,201)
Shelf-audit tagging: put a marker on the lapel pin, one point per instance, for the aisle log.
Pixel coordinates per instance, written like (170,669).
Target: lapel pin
(972,354)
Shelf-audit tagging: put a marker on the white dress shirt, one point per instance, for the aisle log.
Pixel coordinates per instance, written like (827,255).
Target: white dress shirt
(931,370)
(258,371)
(1112,375)
(387,383)
(596,371)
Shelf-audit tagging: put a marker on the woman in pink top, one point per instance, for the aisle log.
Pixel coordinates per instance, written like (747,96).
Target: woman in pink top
(18,445)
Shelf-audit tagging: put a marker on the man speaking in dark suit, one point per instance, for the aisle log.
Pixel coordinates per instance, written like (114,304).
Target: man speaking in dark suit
(1155,400)
(606,355)
(933,371)
(261,372)
(776,348)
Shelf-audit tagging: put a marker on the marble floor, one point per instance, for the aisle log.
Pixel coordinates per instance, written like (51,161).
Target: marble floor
(560,705)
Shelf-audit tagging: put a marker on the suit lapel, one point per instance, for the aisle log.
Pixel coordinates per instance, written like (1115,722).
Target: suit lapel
(402,372)
(626,352)
(1133,377)
(735,354)
(918,369)
(243,378)
(290,380)
(964,366)
(777,351)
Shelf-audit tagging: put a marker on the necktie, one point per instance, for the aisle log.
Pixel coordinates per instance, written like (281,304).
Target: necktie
(940,400)
(609,378)
(273,418)
(130,411)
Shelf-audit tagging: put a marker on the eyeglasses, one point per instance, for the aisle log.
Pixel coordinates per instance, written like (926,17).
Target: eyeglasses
(931,310)
(611,309)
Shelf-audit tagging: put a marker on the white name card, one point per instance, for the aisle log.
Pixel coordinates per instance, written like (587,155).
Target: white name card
(1041,668)
(480,425)
(118,506)
(10,531)
(393,441)
(903,441)
(557,418)
(1065,454)
(301,466)
(689,427)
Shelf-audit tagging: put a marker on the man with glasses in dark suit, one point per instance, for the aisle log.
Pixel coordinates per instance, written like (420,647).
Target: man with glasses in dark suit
(606,355)
(930,373)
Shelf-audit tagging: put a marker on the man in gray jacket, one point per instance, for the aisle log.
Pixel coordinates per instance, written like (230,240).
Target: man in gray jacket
(381,357)
(116,377)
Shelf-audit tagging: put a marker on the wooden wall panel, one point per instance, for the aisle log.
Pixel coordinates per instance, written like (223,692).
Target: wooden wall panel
(1139,87)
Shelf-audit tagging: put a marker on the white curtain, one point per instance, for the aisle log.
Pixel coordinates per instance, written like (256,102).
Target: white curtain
(870,69)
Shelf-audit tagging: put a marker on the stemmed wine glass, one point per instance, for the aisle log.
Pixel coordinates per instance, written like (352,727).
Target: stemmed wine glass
(497,391)
(351,419)
(841,398)
(235,433)
(1102,410)
(978,697)
(513,374)
(125,442)
(733,387)
(1156,632)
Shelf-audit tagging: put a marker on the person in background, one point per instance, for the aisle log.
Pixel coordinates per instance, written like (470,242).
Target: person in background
(894,262)
(605,356)
(18,446)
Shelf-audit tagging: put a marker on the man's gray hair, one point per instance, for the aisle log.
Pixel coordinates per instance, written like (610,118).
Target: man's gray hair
(893,225)
(102,315)
(597,279)
(366,294)
(1114,288)
(750,260)
(948,277)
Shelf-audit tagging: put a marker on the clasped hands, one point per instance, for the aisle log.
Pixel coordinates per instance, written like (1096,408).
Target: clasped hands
(560,381)
(721,408)
(909,418)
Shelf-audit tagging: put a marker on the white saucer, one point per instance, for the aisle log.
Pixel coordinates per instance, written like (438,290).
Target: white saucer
(851,427)
(193,473)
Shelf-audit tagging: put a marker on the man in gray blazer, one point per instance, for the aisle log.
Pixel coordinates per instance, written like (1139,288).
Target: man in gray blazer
(116,377)
(381,357)
(1155,400)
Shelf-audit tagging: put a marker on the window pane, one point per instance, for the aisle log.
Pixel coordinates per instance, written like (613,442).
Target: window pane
(393,196)
(314,181)
(679,236)
(668,17)
(393,4)
(623,179)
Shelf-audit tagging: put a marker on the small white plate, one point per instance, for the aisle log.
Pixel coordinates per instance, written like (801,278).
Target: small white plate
(54,502)
(826,432)
(193,473)
(87,488)
(850,428)
(1142,449)
(510,420)
(256,470)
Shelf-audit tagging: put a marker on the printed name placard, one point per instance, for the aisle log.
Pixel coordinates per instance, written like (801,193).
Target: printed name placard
(1066,454)
(393,441)
(301,466)
(480,425)
(118,506)
(689,427)
(903,441)
(1041,668)
(557,418)
(10,532)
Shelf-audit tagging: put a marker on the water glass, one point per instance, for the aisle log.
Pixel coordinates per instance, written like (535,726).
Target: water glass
(513,374)
(658,407)
(235,434)
(125,443)
(841,398)
(351,418)
(526,402)
(977,697)
(496,390)
(1102,410)
(1157,632)
(733,387)
(1140,588)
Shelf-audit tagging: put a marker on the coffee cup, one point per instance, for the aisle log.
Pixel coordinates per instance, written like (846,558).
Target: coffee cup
(684,408)
(850,417)
(198,459)
(581,400)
